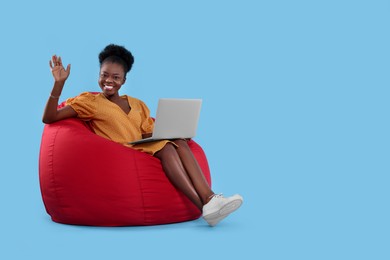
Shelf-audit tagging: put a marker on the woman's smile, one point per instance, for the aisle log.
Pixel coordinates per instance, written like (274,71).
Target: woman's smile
(106,87)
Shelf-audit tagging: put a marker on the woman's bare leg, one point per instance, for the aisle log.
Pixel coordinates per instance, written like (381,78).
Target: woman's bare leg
(194,171)
(184,172)
(176,173)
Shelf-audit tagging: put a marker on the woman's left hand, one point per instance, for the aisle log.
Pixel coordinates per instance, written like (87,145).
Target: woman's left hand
(57,69)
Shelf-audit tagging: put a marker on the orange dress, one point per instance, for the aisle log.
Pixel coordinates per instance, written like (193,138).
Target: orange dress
(108,120)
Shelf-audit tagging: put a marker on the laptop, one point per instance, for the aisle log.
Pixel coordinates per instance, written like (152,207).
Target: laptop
(175,119)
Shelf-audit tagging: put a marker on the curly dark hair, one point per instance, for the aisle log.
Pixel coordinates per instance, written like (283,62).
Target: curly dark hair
(117,54)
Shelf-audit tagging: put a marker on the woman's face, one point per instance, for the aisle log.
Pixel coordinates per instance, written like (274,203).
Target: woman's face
(112,77)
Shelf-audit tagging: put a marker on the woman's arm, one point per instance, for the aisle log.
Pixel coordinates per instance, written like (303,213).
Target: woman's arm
(51,114)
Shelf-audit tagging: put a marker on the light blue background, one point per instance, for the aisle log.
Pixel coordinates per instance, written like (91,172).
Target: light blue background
(295,118)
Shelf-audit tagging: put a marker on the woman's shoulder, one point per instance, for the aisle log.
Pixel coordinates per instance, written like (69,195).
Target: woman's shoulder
(89,94)
(83,97)
(135,101)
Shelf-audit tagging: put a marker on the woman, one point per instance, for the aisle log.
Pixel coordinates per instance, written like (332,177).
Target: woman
(123,119)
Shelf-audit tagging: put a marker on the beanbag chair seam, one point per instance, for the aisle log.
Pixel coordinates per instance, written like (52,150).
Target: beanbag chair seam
(141,189)
(52,170)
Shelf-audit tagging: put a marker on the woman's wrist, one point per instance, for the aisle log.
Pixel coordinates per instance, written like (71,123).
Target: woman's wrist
(59,82)
(57,89)
(54,97)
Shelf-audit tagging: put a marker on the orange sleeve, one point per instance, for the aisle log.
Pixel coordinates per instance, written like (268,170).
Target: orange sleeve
(147,123)
(84,105)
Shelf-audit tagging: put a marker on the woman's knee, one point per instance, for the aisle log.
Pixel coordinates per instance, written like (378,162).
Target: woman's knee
(181,143)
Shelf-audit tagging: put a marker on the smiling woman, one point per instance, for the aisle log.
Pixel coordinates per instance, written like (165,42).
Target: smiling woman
(123,119)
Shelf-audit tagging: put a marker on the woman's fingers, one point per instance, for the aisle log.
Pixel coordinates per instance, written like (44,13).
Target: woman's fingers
(68,68)
(55,61)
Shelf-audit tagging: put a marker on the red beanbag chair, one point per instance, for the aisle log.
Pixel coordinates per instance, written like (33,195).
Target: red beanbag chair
(88,180)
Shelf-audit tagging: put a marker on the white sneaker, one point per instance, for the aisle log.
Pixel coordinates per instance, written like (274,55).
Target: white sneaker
(220,207)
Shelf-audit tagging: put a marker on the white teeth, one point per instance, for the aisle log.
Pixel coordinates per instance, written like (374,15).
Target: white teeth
(108,87)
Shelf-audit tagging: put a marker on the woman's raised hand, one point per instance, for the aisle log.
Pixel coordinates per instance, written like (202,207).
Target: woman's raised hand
(57,69)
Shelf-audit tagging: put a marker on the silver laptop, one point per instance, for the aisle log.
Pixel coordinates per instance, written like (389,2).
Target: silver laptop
(175,119)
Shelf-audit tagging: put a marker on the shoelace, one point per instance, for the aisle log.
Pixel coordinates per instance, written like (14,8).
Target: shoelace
(220,195)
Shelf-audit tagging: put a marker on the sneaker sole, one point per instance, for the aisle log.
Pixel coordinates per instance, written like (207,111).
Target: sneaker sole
(214,218)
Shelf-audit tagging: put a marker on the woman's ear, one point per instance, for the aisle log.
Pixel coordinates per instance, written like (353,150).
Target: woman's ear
(124,80)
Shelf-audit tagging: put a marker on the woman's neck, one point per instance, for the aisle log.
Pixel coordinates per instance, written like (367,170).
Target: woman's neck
(113,98)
